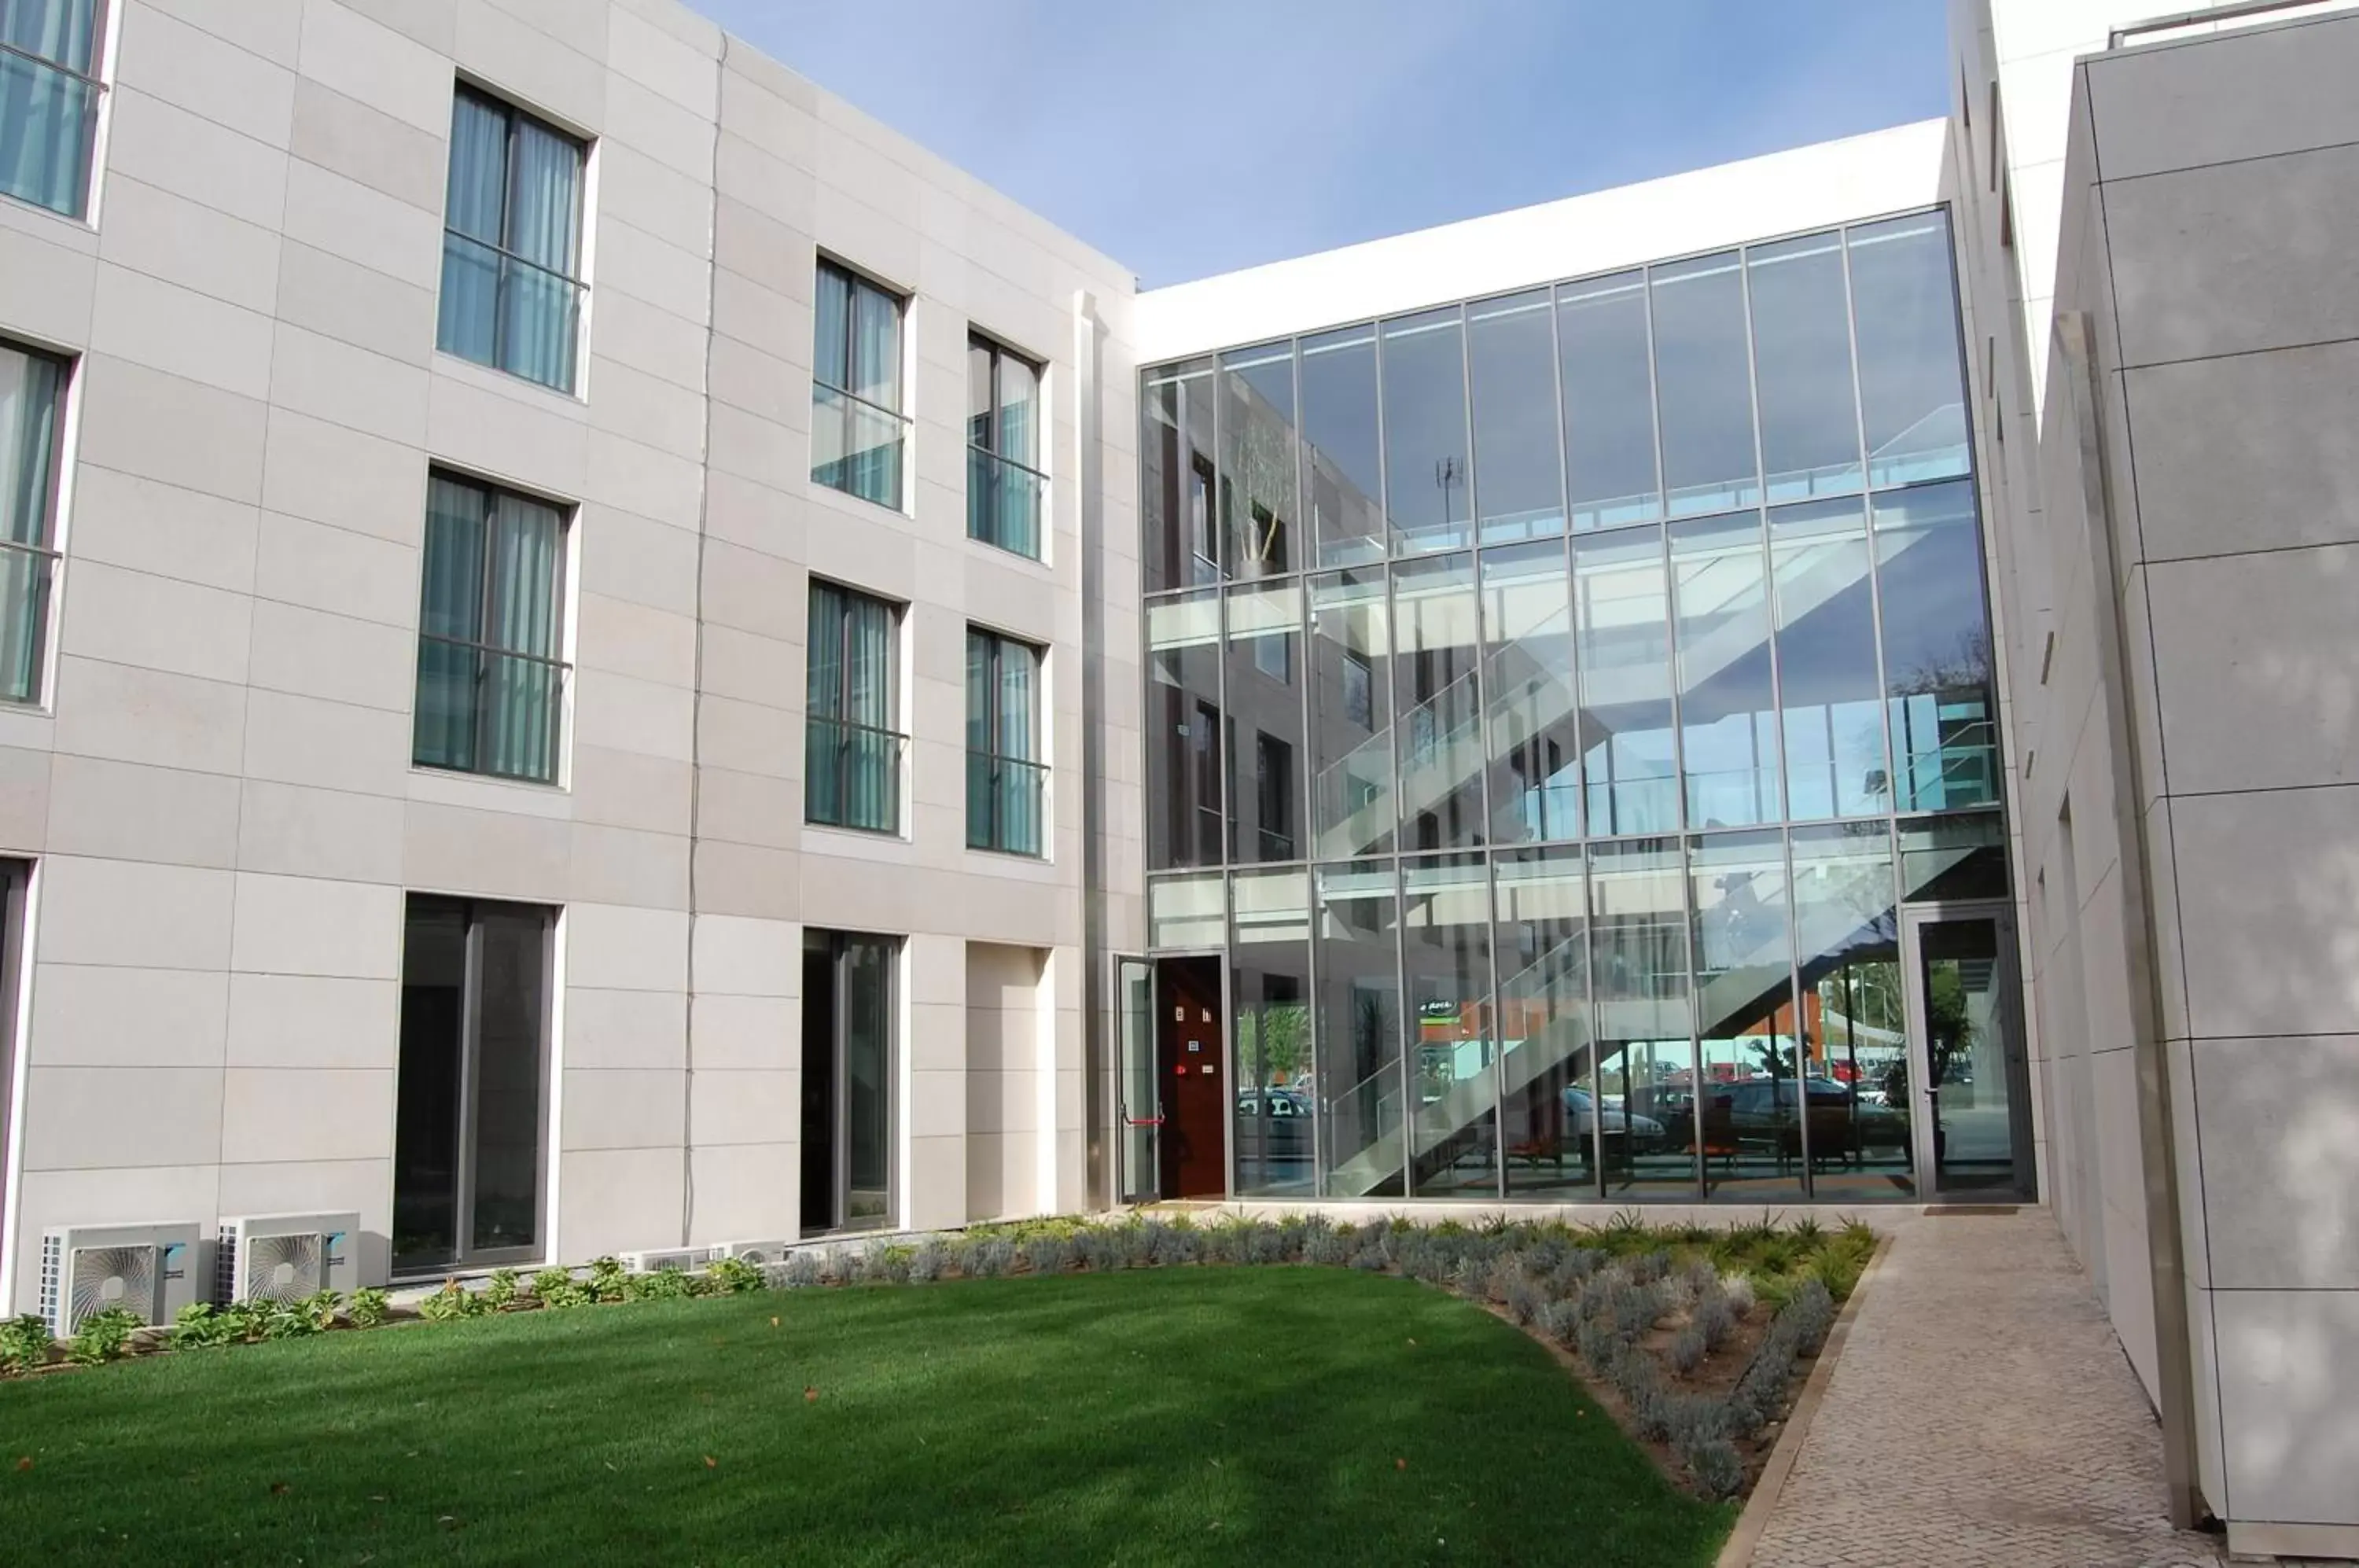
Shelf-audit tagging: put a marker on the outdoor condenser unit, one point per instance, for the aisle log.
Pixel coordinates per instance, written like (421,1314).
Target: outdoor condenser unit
(284,1257)
(150,1270)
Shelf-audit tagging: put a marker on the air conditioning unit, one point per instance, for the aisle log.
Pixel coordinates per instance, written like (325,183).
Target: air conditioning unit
(149,1268)
(284,1257)
(762,1253)
(686,1259)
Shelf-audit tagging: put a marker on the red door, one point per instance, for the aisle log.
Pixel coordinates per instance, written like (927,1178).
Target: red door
(1191,1057)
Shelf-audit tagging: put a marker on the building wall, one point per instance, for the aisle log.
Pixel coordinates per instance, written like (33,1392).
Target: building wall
(217,792)
(2191,723)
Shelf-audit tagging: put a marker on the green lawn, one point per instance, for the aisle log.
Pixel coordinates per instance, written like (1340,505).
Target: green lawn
(1178,1416)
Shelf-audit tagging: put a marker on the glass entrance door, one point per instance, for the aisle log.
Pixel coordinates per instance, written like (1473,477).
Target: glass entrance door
(1966,1054)
(1137,1100)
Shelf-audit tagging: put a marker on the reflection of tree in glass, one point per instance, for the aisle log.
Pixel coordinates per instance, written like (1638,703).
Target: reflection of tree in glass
(1271,1040)
(1968,665)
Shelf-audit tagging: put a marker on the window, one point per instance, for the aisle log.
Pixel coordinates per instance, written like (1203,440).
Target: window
(1274,797)
(491,684)
(1359,690)
(851,737)
(1004,481)
(49,102)
(858,427)
(512,243)
(470,1123)
(32,393)
(1006,785)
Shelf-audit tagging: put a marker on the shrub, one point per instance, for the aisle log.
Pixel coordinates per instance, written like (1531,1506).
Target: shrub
(1712,1322)
(198,1327)
(992,1259)
(103,1335)
(372,1306)
(1712,1465)
(502,1290)
(607,1281)
(1327,1248)
(559,1288)
(323,1306)
(928,1261)
(1687,1350)
(1047,1254)
(735,1275)
(246,1322)
(1266,1244)
(663,1285)
(802,1270)
(24,1343)
(452,1302)
(1560,1320)
(1525,1299)
(1737,1289)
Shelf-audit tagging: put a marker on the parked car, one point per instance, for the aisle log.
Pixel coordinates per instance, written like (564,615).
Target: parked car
(1761,1113)
(1642,1134)
(1274,1124)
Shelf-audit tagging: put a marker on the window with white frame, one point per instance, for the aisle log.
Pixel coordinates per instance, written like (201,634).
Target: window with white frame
(1004,487)
(491,671)
(858,428)
(512,289)
(32,406)
(48,101)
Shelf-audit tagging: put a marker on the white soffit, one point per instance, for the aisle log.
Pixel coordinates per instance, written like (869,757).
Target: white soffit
(1782,193)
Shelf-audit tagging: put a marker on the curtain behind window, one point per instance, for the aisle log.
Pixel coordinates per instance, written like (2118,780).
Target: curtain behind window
(47,117)
(450,606)
(544,228)
(30,389)
(520,694)
(475,208)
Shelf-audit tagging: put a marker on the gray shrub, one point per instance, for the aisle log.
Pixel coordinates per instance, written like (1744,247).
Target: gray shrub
(1047,1254)
(1687,1350)
(1714,1465)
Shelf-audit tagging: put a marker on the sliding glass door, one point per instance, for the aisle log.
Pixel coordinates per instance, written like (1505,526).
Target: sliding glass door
(848,1103)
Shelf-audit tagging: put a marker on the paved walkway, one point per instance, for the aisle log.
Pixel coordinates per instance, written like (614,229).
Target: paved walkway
(1980,1413)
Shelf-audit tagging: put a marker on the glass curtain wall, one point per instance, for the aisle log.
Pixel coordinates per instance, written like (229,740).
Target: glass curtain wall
(1552,700)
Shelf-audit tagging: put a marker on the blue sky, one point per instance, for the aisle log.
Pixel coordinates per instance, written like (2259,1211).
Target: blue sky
(1186,138)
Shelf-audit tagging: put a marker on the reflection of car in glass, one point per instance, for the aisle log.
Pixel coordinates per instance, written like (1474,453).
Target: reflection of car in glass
(1274,1123)
(1642,1133)
(1761,1113)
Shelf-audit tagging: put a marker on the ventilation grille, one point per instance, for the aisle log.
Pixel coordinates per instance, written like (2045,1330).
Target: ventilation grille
(225,1264)
(53,1263)
(104,1277)
(282,1268)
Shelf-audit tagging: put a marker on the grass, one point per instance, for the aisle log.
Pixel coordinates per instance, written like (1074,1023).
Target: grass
(1295,1416)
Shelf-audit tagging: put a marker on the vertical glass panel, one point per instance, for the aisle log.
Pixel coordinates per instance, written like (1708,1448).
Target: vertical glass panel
(1828,679)
(30,391)
(1801,367)
(1351,715)
(451,600)
(1426,472)
(855,448)
(1937,650)
(474,214)
(48,122)
(1183,731)
(981,394)
(1748,1094)
(867,1000)
(1183,912)
(1453,1075)
(1728,696)
(1704,386)
(1548,1121)
(25,578)
(59,30)
(1854,1015)
(1534,706)
(1621,618)
(831,323)
(1270,988)
(1911,387)
(1361,1099)
(1019,411)
(1258,470)
(1949,859)
(1343,472)
(1518,467)
(873,356)
(1175,473)
(428,1100)
(1265,651)
(822,1135)
(1646,1050)
(1609,401)
(1437,646)
(512,988)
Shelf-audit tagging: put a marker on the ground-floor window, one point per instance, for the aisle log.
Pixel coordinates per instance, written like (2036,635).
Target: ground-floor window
(470,1117)
(848,1069)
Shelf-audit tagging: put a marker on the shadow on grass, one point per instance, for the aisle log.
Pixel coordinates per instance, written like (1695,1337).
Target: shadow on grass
(1291,1416)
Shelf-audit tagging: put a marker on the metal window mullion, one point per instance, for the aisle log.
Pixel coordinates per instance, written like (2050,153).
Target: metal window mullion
(1400,1015)
(470,1027)
(1874,558)
(1493,1029)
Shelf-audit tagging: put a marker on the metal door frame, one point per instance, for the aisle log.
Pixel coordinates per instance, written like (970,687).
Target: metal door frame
(1136,1187)
(1914,918)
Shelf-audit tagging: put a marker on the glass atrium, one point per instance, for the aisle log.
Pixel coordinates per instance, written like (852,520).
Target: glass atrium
(1554,703)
